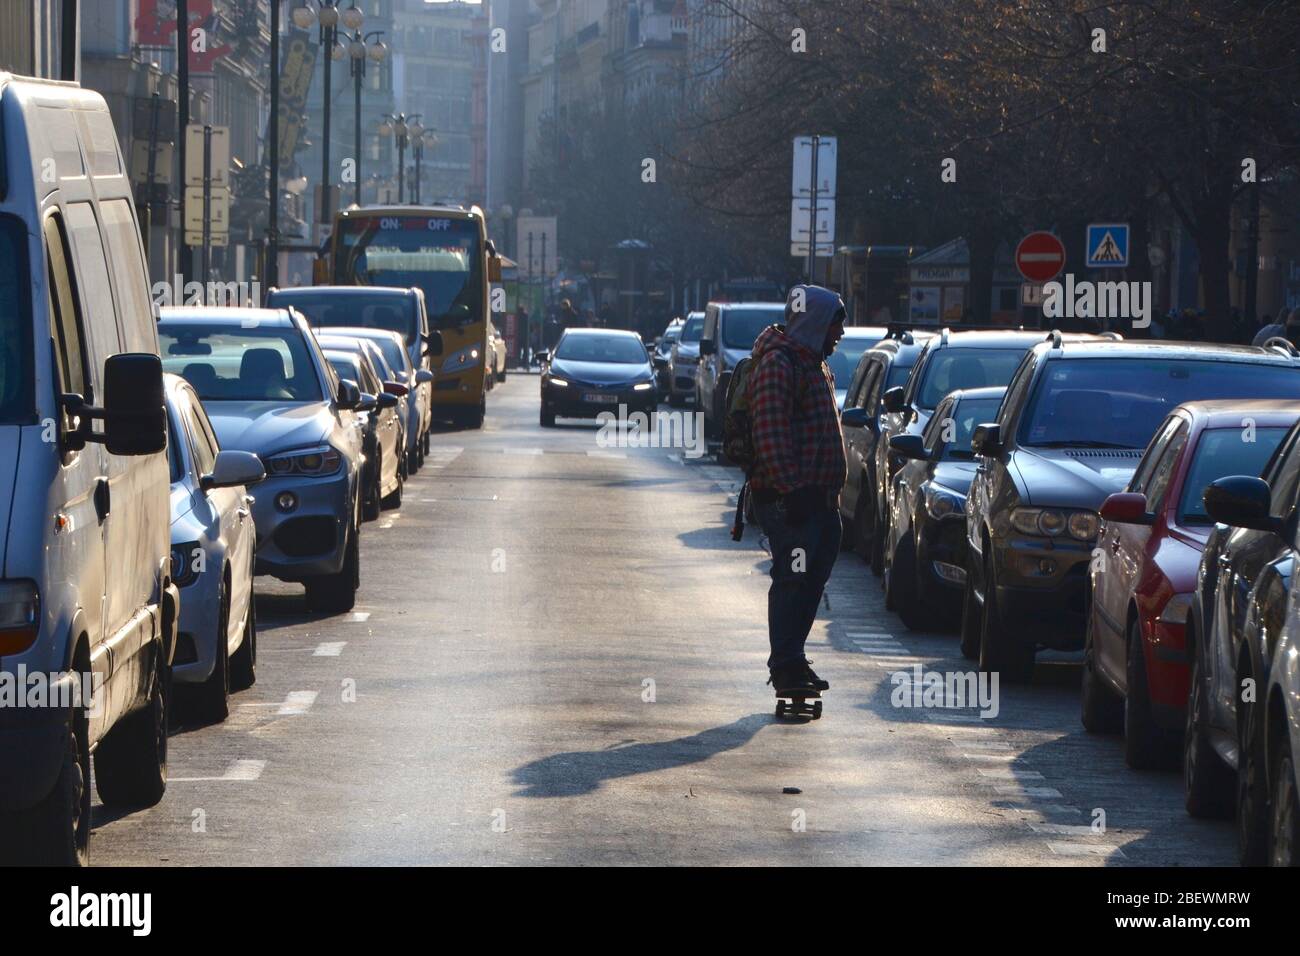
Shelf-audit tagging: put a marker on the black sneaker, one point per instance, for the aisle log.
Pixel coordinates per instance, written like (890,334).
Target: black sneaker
(812,677)
(792,678)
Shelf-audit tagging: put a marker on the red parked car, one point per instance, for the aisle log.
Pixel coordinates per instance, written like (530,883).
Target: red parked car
(1145,566)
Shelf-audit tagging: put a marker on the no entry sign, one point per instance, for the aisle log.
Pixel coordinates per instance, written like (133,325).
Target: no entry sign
(1040,256)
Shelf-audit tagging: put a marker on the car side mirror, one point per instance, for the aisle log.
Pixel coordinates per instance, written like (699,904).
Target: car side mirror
(1242,502)
(233,468)
(854,418)
(911,447)
(396,389)
(893,399)
(386,400)
(423,376)
(367,402)
(494,267)
(986,439)
(134,414)
(542,356)
(660,362)
(1127,507)
(708,347)
(433,343)
(349,396)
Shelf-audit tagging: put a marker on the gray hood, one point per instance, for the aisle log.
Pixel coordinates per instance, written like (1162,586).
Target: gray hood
(808,327)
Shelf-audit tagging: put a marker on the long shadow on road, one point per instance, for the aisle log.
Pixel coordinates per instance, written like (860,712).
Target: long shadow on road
(583,771)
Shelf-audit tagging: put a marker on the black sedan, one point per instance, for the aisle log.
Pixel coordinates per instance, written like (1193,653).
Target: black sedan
(925,550)
(593,371)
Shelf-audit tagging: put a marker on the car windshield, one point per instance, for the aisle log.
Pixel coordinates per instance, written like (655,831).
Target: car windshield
(741,326)
(1119,402)
(845,358)
(237,363)
(692,329)
(345,367)
(950,369)
(1219,453)
(395,313)
(970,412)
(390,348)
(619,349)
(17,387)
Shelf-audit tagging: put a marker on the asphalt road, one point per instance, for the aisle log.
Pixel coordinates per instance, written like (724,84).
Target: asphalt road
(558,657)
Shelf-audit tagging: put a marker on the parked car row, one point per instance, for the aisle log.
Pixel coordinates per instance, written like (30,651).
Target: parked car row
(1133,501)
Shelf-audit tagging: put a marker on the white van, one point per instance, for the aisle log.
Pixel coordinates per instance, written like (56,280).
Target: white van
(86,599)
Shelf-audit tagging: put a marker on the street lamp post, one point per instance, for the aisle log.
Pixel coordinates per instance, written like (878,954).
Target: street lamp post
(405,128)
(428,139)
(359,50)
(328,17)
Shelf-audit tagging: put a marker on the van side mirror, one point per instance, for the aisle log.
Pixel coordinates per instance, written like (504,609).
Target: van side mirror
(986,439)
(423,376)
(396,389)
(233,468)
(386,400)
(367,403)
(433,343)
(708,347)
(1242,502)
(911,447)
(134,416)
(349,396)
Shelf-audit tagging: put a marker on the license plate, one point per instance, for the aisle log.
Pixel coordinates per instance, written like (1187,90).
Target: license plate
(600,399)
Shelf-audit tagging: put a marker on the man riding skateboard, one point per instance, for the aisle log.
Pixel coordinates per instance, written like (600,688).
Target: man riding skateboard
(798,473)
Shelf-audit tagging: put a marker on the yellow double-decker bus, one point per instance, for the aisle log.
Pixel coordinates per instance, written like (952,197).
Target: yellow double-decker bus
(445,252)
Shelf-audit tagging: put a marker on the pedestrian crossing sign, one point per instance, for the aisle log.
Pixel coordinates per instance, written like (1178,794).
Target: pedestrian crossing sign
(1107,245)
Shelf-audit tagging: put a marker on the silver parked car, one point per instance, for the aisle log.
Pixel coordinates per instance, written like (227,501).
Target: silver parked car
(214,543)
(268,389)
(683,358)
(381,430)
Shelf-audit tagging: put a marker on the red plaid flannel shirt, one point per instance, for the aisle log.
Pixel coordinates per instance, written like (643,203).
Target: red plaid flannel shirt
(797,438)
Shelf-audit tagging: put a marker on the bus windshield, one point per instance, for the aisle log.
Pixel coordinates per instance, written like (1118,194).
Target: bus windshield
(440,255)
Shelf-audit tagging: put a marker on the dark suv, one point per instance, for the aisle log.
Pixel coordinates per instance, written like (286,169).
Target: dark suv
(882,367)
(948,362)
(1238,610)
(1070,432)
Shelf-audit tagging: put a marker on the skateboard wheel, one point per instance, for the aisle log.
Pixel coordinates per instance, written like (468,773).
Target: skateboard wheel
(817,710)
(780,708)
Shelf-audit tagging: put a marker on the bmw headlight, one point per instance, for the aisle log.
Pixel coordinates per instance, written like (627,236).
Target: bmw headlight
(313,462)
(940,502)
(187,562)
(1176,609)
(1054,522)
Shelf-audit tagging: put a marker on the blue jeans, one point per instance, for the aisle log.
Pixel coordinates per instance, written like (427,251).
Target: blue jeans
(802,558)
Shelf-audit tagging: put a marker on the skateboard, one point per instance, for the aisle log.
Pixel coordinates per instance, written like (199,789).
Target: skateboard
(800,704)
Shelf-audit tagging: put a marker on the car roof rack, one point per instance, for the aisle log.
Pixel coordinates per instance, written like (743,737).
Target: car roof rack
(1054,337)
(1282,343)
(943,335)
(899,331)
(1112,336)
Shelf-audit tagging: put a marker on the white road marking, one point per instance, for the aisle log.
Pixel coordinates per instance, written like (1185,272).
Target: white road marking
(298,702)
(1085,849)
(1065,829)
(241,770)
(991,756)
(509,450)
(358,617)
(1042,793)
(329,649)
(1010,774)
(601,453)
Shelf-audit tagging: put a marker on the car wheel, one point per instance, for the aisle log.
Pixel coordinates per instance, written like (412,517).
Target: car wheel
(1147,745)
(1001,649)
(131,762)
(1252,796)
(337,593)
(56,831)
(879,534)
(1284,834)
(970,618)
(547,418)
(426,443)
(211,699)
(477,416)
(394,499)
(904,577)
(1207,782)
(243,665)
(1100,710)
(371,505)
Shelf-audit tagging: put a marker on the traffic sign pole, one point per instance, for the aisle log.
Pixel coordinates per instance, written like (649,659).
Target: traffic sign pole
(207,203)
(812,232)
